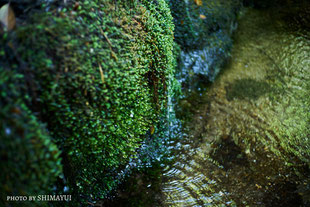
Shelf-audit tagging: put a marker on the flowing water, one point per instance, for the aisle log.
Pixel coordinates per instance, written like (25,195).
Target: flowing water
(245,140)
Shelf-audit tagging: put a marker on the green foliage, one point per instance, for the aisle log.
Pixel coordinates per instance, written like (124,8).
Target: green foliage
(30,161)
(99,81)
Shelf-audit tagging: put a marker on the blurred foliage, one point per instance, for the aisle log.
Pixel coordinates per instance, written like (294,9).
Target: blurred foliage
(98,79)
(30,160)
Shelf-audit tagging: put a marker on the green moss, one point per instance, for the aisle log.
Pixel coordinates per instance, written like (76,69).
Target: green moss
(30,160)
(99,81)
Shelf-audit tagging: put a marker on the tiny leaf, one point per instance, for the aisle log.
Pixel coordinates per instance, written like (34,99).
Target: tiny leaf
(152,130)
(201,16)
(198,2)
(101,73)
(7,17)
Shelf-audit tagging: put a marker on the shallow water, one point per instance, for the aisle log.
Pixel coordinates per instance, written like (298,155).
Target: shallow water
(245,141)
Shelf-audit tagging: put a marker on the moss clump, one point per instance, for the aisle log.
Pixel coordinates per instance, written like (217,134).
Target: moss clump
(99,81)
(30,161)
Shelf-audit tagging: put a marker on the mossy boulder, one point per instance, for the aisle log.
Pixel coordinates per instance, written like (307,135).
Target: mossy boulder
(97,75)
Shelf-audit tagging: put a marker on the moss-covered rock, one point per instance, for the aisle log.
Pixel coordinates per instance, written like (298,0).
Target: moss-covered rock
(30,162)
(98,79)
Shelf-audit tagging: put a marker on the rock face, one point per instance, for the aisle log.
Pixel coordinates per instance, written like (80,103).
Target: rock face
(203,31)
(252,137)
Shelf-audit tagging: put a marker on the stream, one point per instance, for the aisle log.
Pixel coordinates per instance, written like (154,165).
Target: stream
(235,147)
